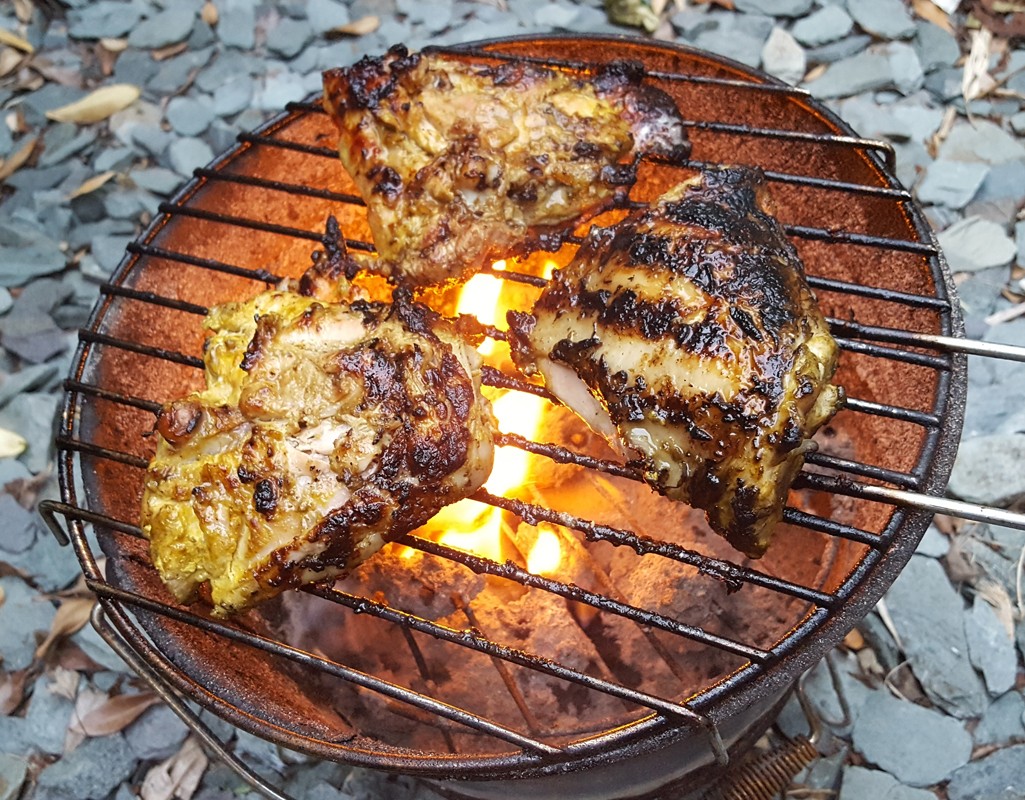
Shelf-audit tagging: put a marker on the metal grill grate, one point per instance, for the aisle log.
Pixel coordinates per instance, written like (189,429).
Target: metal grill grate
(906,495)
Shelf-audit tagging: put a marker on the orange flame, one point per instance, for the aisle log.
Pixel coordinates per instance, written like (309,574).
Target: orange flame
(465,524)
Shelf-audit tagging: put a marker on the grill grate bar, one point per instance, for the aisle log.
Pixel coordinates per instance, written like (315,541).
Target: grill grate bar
(732,575)
(348,674)
(863,470)
(241,222)
(922,418)
(878,293)
(810,181)
(812,522)
(278,186)
(472,639)
(80,446)
(116,397)
(204,263)
(153,298)
(641,616)
(93,337)
(904,356)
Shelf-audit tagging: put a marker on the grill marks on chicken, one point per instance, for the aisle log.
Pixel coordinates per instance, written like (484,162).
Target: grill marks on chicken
(462,164)
(687,335)
(325,430)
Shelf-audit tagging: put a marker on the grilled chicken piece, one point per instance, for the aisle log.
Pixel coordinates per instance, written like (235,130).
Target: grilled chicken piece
(325,430)
(686,334)
(461,165)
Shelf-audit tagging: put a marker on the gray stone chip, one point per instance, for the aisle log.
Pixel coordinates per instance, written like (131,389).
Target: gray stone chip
(89,772)
(951,183)
(1003,722)
(923,605)
(998,776)
(774,8)
(189,153)
(887,19)
(13,771)
(991,647)
(860,783)
(189,116)
(974,243)
(22,615)
(987,469)
(170,26)
(823,26)
(289,37)
(916,745)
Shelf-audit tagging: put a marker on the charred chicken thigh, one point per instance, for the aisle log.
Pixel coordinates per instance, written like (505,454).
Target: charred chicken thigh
(463,164)
(325,430)
(686,334)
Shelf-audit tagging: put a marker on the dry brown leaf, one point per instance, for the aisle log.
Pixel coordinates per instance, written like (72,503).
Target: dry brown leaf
(64,682)
(92,184)
(209,13)
(12,690)
(11,443)
(360,27)
(27,490)
(112,714)
(97,105)
(70,617)
(854,640)
(177,777)
(930,12)
(17,159)
(10,60)
(996,595)
(3,596)
(165,53)
(12,39)
(23,10)
(976,81)
(114,45)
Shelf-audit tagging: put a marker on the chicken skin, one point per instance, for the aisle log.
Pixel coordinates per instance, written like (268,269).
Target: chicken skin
(325,430)
(462,164)
(688,337)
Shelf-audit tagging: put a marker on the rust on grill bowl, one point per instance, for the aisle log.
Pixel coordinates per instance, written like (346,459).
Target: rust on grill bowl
(254,216)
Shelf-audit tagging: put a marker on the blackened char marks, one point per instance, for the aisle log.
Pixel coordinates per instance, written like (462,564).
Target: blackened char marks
(371,79)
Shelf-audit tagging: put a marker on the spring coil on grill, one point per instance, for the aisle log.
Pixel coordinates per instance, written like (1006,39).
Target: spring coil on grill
(767,775)
(764,776)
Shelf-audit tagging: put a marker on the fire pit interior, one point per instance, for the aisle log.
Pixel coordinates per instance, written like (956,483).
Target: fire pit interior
(565,617)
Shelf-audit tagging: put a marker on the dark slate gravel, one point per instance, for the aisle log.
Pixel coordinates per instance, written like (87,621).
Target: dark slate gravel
(89,772)
(890,74)
(924,606)
(918,746)
(999,776)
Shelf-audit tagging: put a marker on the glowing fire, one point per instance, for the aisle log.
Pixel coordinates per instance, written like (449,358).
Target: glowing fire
(467,525)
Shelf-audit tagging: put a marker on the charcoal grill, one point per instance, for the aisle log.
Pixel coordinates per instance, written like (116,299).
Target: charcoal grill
(254,216)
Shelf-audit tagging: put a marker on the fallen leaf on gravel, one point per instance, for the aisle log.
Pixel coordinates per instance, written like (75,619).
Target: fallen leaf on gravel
(70,617)
(209,13)
(930,12)
(64,682)
(12,690)
(92,184)
(97,105)
(113,714)
(16,160)
(359,27)
(179,776)
(976,81)
(997,597)
(114,45)
(27,490)
(13,40)
(11,444)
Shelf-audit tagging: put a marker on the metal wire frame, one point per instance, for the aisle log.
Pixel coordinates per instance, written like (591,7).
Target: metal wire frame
(906,492)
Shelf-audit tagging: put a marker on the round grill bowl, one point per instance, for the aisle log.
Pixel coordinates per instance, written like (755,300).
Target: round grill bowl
(256,214)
